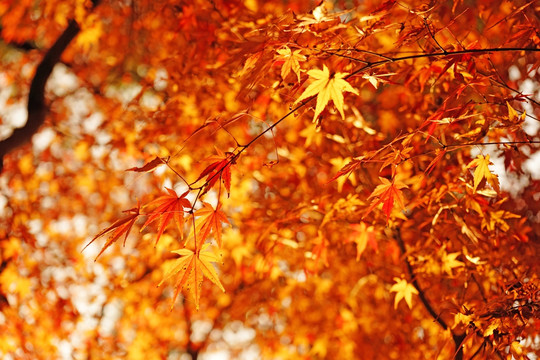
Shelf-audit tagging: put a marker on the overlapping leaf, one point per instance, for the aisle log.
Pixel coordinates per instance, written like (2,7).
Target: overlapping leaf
(169,207)
(189,271)
(435,161)
(386,193)
(219,169)
(350,167)
(118,228)
(211,221)
(291,61)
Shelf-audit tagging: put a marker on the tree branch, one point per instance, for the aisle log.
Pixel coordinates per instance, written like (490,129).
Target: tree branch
(458,339)
(37,109)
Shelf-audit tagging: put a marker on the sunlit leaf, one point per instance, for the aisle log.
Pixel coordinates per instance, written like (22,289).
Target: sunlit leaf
(210,221)
(219,169)
(189,270)
(482,172)
(327,87)
(168,207)
(291,60)
(404,291)
(118,228)
(386,193)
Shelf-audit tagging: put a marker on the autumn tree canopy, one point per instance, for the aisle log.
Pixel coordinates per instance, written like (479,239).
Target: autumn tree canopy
(269,179)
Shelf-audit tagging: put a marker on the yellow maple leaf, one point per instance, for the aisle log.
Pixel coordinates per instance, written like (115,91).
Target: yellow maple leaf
(489,330)
(460,318)
(449,262)
(403,290)
(362,235)
(91,31)
(338,163)
(494,219)
(312,134)
(292,61)
(517,350)
(482,172)
(190,269)
(513,115)
(372,79)
(327,88)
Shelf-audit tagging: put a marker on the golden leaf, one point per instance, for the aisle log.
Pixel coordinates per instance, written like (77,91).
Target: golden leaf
(449,262)
(190,269)
(482,172)
(403,290)
(327,87)
(291,61)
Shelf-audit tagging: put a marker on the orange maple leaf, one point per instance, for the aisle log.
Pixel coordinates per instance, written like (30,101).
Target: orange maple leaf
(386,193)
(169,207)
(435,161)
(149,166)
(353,165)
(211,221)
(362,235)
(120,226)
(219,169)
(190,269)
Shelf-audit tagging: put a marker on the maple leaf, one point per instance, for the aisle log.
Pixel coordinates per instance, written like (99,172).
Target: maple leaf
(92,30)
(489,330)
(219,169)
(497,218)
(119,227)
(291,61)
(149,166)
(386,193)
(449,262)
(482,172)
(460,318)
(353,165)
(169,207)
(210,221)
(190,269)
(340,163)
(403,290)
(440,154)
(376,79)
(318,15)
(513,114)
(327,87)
(362,235)
(312,134)
(517,350)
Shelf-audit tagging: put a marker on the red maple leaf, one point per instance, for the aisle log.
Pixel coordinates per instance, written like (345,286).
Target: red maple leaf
(169,207)
(386,193)
(119,227)
(219,169)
